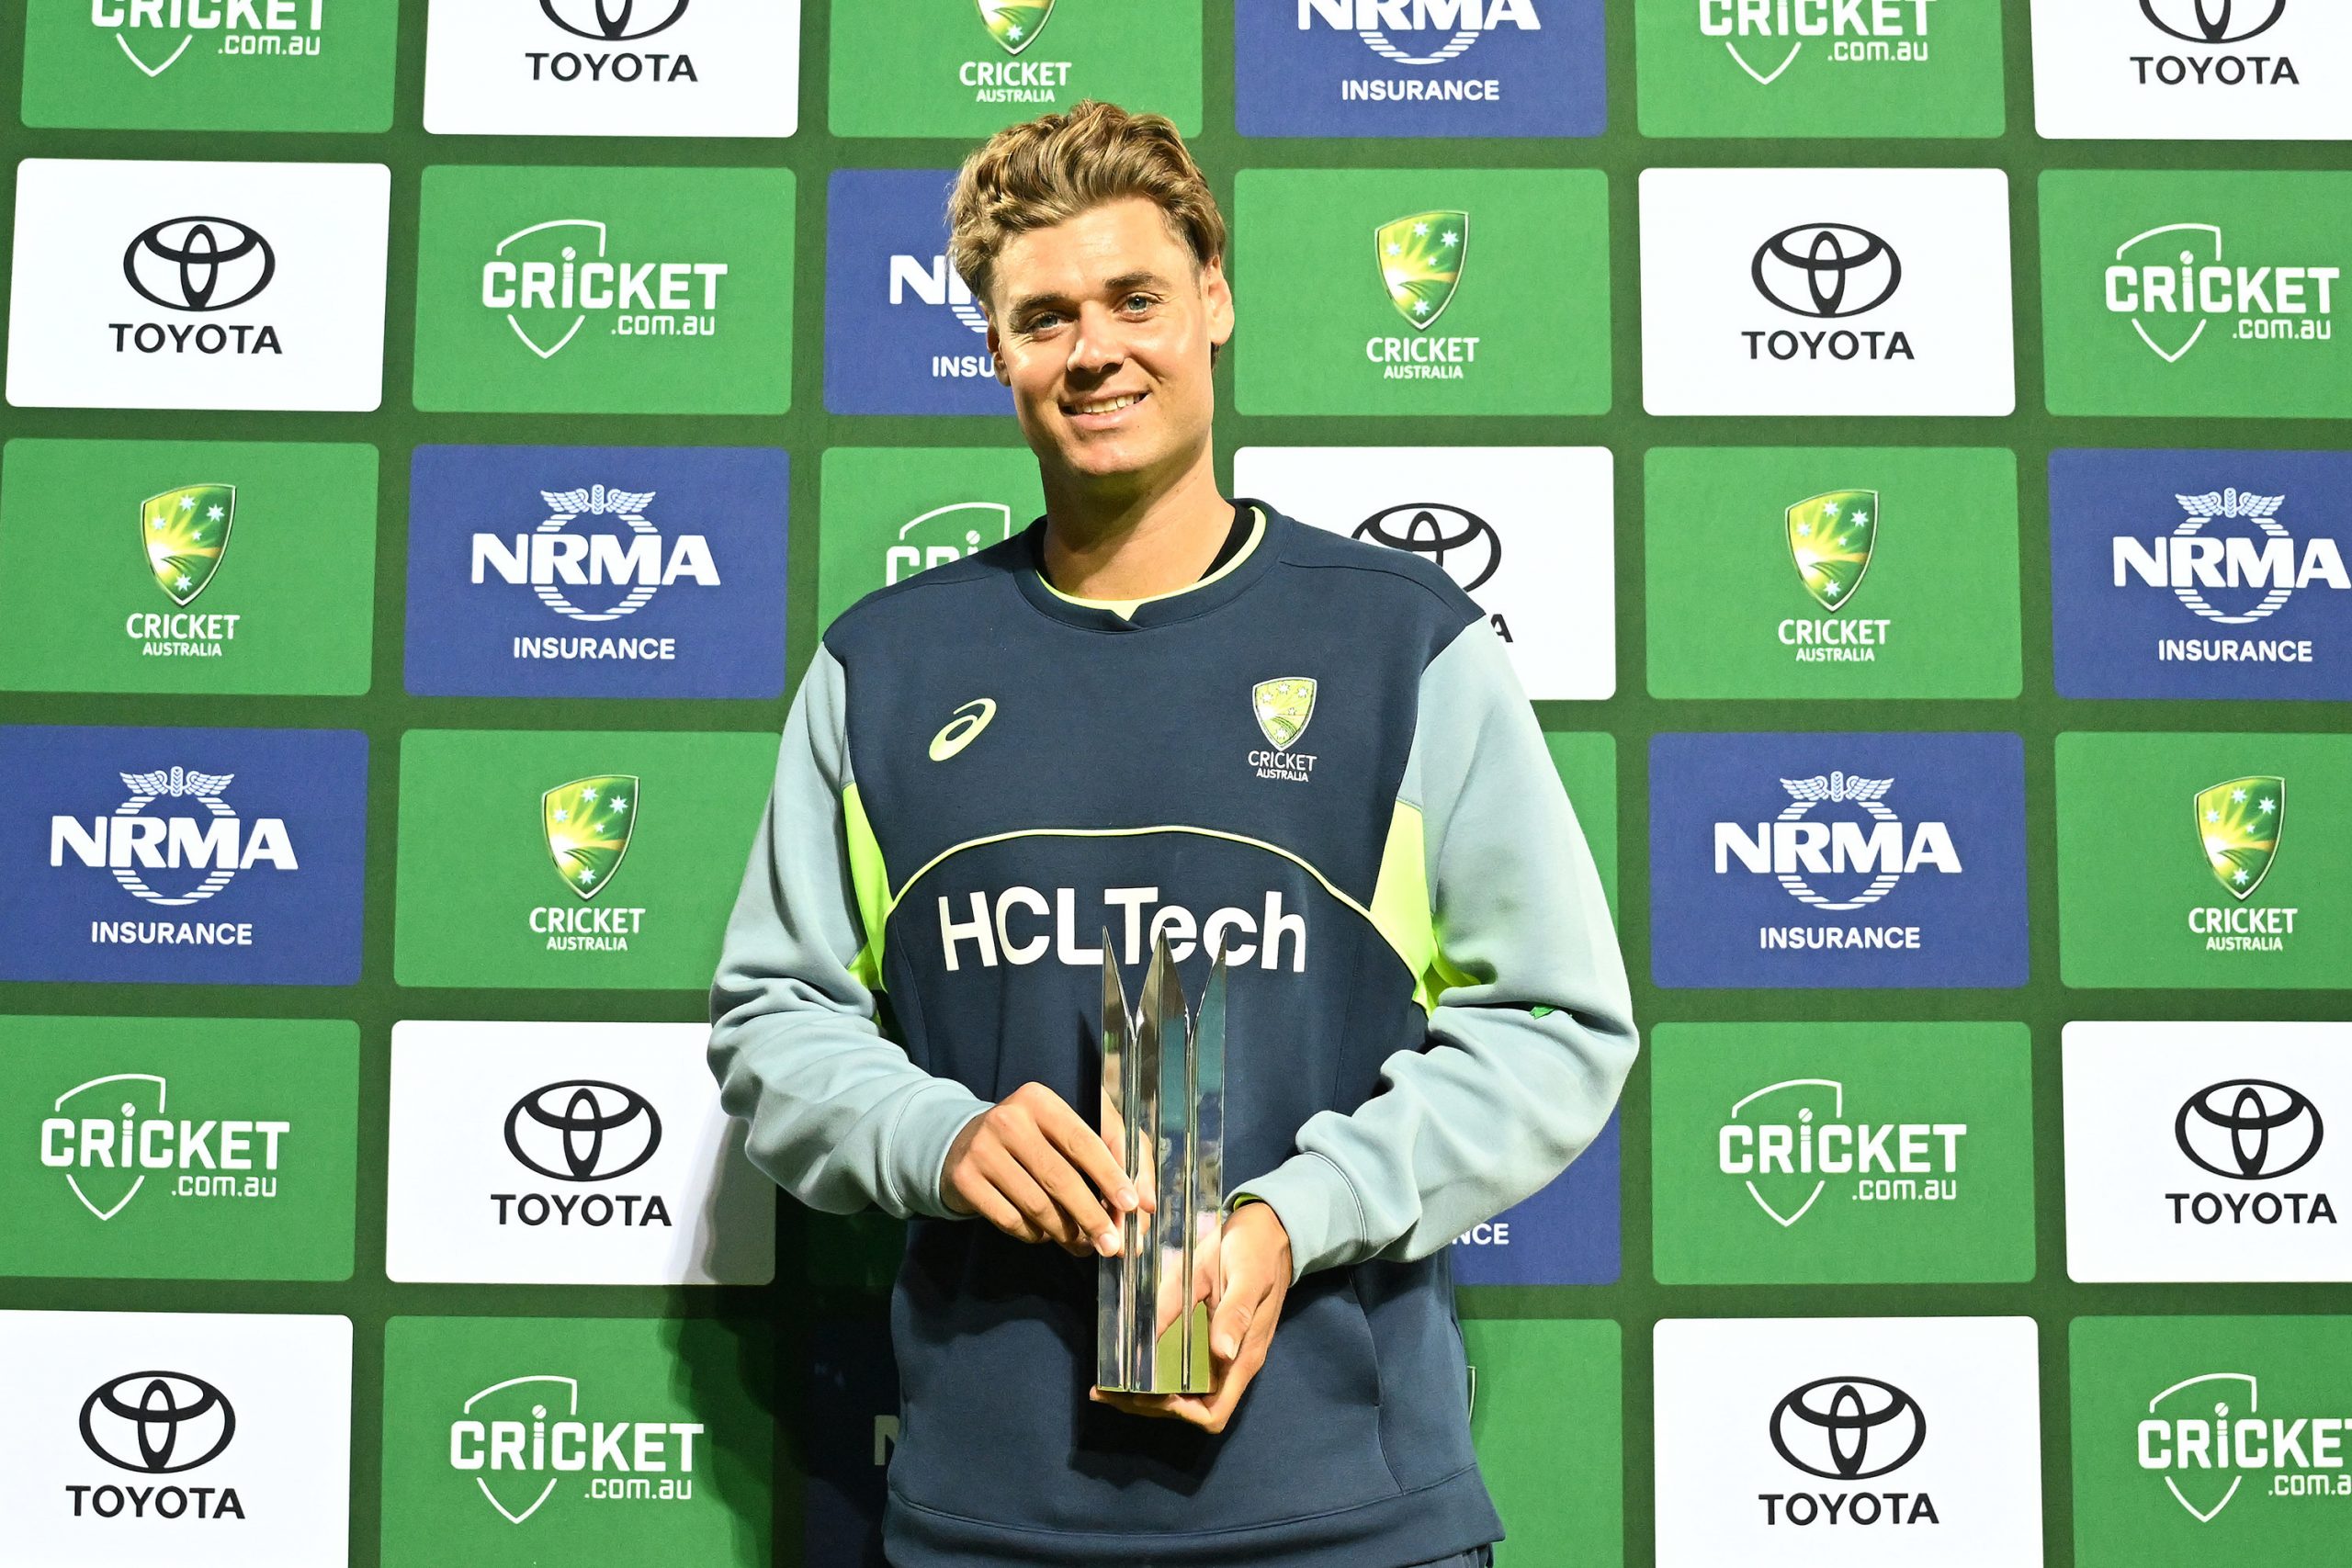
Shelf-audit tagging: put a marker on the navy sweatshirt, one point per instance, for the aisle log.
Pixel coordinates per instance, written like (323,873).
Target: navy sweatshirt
(1315,760)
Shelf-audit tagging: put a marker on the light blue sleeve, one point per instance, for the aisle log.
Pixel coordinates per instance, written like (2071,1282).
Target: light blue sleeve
(1530,1040)
(838,1116)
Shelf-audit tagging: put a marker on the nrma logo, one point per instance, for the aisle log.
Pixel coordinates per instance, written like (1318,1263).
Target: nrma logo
(1418,32)
(2252,569)
(1867,841)
(929,281)
(204,844)
(636,559)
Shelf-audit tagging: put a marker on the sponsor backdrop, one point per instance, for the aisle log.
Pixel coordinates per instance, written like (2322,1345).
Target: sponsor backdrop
(1900,440)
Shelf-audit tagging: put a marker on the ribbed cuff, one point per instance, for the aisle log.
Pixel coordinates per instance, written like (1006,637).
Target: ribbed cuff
(1318,1206)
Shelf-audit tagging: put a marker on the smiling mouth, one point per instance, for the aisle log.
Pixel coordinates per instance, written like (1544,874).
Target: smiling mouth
(1105,405)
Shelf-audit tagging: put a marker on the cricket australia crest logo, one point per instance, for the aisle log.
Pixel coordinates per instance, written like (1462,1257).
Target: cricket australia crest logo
(184,533)
(2238,823)
(1283,706)
(1830,538)
(1015,24)
(1419,257)
(588,823)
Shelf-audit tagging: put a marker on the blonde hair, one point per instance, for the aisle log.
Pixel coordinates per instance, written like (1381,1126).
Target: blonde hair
(1050,169)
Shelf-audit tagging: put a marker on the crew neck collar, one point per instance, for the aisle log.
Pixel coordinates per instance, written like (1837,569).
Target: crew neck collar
(1160,609)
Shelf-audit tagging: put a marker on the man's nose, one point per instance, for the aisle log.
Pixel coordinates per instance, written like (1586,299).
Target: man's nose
(1099,343)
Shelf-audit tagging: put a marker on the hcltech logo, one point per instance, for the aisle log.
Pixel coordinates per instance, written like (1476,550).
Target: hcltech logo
(625,567)
(1037,925)
(520,1437)
(1902,867)
(198,266)
(1847,1429)
(946,533)
(549,278)
(2175,284)
(1831,538)
(156,1423)
(2212,27)
(1421,258)
(587,1131)
(184,533)
(2239,823)
(588,823)
(110,1133)
(2249,1131)
(1012,26)
(1765,37)
(2234,576)
(1787,1141)
(2207,1435)
(602,22)
(154,34)
(1827,272)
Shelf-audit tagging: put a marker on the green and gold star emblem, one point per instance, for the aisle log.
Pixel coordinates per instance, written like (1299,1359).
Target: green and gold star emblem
(184,533)
(588,823)
(1830,539)
(1421,261)
(2238,823)
(1015,24)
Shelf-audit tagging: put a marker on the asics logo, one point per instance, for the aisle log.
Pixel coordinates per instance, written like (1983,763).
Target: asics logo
(963,729)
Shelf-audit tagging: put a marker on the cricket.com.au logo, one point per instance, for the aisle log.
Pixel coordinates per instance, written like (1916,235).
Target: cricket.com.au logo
(1283,707)
(2208,1436)
(597,28)
(1417,35)
(1765,37)
(109,1135)
(2185,284)
(552,280)
(597,557)
(153,1425)
(1844,1430)
(2213,29)
(199,267)
(523,1438)
(1454,539)
(1788,1141)
(176,840)
(1012,26)
(1836,847)
(2232,561)
(2251,1133)
(1831,538)
(2240,825)
(583,1133)
(184,533)
(944,533)
(1827,273)
(586,825)
(1420,257)
(155,35)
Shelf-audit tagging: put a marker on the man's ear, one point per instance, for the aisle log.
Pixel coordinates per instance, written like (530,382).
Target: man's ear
(1217,294)
(996,351)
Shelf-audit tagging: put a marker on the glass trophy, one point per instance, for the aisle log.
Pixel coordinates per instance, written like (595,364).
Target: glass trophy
(1164,1118)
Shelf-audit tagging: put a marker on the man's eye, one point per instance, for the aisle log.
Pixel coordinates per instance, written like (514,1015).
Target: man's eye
(1139,302)
(1039,323)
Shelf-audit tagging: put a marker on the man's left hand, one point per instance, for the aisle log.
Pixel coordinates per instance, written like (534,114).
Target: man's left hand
(1254,1252)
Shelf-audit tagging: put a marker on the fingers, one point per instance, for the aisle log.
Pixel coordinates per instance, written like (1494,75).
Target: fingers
(1033,1168)
(1090,1155)
(1078,1217)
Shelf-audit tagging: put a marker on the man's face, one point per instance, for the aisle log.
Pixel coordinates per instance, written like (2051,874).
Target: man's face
(1102,326)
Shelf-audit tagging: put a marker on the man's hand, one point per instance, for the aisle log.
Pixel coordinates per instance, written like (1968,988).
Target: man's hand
(1254,1254)
(1036,1170)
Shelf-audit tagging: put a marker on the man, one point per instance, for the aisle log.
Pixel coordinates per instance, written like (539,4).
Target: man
(1160,712)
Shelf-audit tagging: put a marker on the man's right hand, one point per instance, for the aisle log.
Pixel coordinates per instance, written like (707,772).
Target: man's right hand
(1038,1171)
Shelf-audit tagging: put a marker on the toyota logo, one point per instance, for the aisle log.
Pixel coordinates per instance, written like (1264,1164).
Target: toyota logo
(583,1130)
(1463,542)
(198,264)
(2214,21)
(611,21)
(2248,1129)
(1847,1428)
(151,1422)
(1826,270)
